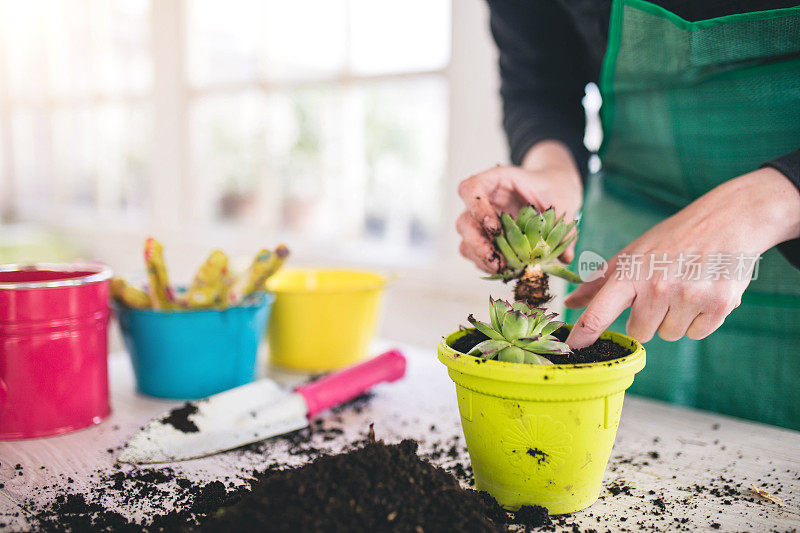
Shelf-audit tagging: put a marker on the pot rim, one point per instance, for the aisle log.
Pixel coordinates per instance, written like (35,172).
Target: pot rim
(263,299)
(546,375)
(377,283)
(99,272)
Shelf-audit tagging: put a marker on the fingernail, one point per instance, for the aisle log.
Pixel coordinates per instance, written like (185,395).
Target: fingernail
(497,261)
(491,226)
(575,345)
(491,263)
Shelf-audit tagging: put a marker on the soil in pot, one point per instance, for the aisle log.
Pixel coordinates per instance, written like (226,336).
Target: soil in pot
(468,341)
(601,351)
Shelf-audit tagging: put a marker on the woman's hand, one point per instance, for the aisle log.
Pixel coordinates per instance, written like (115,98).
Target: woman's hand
(741,218)
(548,177)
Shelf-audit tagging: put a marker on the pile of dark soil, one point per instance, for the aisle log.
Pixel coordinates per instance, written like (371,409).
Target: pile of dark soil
(601,351)
(376,487)
(373,487)
(168,499)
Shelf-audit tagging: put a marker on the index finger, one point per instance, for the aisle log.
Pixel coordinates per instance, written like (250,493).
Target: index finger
(581,296)
(611,300)
(476,197)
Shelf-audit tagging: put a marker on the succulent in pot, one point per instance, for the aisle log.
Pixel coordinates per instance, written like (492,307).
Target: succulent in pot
(531,245)
(518,334)
(537,432)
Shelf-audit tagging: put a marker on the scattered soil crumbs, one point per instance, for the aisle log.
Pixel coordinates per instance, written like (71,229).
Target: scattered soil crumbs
(601,351)
(651,507)
(357,404)
(75,513)
(619,488)
(539,455)
(377,487)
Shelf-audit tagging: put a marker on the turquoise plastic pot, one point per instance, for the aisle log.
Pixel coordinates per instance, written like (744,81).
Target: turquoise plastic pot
(194,354)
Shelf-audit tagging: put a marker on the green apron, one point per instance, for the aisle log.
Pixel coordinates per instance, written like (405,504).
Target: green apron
(687,106)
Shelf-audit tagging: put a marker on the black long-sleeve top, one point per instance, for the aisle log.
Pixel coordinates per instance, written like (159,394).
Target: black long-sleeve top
(550,50)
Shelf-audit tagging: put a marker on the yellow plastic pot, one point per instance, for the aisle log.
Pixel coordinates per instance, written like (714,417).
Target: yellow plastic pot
(541,434)
(323,319)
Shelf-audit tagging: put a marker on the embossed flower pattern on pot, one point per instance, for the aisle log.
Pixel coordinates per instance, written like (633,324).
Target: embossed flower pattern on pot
(536,442)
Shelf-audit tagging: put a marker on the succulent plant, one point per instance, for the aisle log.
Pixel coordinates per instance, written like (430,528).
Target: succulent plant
(518,334)
(531,245)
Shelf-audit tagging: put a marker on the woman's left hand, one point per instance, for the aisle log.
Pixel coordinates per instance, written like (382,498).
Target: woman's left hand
(737,220)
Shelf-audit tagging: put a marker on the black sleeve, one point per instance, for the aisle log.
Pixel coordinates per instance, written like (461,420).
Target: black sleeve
(543,76)
(789,165)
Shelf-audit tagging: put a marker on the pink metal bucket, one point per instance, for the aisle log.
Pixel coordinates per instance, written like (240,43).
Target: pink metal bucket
(53,348)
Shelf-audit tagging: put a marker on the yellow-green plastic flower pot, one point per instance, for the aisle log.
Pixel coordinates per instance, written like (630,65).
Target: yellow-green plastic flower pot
(541,434)
(323,319)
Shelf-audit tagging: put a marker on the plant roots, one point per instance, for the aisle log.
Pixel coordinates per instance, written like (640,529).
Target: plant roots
(533,287)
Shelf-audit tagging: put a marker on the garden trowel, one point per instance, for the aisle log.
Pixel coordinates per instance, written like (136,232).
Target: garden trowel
(252,413)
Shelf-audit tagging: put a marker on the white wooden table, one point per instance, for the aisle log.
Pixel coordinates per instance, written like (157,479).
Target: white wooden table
(661,452)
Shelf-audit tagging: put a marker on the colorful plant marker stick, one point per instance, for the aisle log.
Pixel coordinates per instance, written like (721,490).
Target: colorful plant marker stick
(281,253)
(247,280)
(161,294)
(129,295)
(209,284)
(265,264)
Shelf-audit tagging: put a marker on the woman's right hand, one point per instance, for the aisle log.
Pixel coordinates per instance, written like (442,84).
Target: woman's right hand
(548,177)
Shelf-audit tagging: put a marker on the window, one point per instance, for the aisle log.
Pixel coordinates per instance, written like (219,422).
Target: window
(318,121)
(76,76)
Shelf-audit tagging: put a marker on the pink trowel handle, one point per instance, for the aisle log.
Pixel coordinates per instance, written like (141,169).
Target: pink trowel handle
(343,386)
